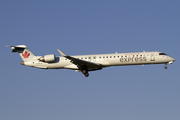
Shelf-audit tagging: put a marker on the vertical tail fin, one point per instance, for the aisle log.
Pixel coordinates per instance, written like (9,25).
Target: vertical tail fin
(23,51)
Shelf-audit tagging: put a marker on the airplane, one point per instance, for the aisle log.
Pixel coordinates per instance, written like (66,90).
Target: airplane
(86,63)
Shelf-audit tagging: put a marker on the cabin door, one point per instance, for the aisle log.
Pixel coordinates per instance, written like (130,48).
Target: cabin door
(152,57)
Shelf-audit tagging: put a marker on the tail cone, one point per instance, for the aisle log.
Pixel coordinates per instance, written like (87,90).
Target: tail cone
(22,63)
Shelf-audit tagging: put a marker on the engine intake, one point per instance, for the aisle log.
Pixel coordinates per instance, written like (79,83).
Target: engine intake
(47,58)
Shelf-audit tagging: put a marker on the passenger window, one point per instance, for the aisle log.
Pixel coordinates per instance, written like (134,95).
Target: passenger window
(89,59)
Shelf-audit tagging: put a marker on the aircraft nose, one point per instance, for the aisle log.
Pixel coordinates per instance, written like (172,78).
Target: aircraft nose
(173,59)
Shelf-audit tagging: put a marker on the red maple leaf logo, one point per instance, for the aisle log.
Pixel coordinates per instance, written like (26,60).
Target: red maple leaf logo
(26,54)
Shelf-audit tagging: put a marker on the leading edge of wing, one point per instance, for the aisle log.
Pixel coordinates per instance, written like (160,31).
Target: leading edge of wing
(81,63)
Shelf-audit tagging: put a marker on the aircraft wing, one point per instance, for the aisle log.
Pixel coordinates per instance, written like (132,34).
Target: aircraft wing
(82,64)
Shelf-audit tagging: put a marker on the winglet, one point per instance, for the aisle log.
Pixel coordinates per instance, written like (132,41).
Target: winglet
(64,55)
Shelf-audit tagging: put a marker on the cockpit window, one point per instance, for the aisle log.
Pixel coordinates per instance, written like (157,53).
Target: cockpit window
(162,54)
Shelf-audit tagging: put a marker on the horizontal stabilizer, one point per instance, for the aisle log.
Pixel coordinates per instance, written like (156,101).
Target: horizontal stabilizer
(17,48)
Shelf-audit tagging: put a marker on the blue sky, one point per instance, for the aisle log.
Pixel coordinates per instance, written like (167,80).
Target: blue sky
(89,27)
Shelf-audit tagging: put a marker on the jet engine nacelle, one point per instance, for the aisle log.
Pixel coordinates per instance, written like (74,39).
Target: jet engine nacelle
(47,58)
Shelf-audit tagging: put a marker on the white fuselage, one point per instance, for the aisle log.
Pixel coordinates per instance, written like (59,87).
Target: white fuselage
(85,63)
(105,60)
